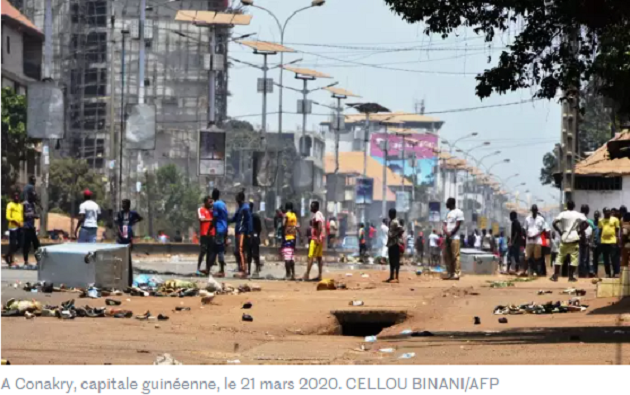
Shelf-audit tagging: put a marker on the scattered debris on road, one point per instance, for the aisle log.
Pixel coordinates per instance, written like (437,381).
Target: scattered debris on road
(571,306)
(574,291)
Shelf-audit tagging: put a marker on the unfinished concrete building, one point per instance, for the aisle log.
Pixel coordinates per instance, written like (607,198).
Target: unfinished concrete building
(88,49)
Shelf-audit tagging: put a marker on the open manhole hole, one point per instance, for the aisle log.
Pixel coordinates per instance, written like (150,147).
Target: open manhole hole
(367,322)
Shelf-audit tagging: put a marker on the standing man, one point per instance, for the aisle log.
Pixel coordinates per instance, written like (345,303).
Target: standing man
(15,220)
(395,246)
(289,240)
(609,227)
(625,238)
(332,234)
(584,266)
(29,232)
(486,241)
(88,219)
(126,219)
(434,248)
(384,235)
(316,245)
(477,240)
(420,247)
(570,225)
(207,233)
(243,229)
(534,227)
(452,224)
(29,188)
(362,242)
(596,244)
(254,243)
(220,225)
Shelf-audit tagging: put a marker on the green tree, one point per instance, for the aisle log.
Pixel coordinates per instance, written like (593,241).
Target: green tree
(594,131)
(16,145)
(169,200)
(68,178)
(540,56)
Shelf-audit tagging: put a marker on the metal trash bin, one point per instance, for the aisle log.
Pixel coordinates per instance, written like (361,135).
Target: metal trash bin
(81,264)
(474,261)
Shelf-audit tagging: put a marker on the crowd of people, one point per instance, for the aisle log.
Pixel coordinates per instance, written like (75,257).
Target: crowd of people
(572,238)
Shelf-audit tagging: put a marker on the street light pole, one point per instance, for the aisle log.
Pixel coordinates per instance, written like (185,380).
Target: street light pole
(282,28)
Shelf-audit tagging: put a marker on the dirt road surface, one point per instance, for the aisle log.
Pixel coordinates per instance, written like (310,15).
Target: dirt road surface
(293,324)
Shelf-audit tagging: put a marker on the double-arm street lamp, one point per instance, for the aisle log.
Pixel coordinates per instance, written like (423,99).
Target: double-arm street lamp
(282,28)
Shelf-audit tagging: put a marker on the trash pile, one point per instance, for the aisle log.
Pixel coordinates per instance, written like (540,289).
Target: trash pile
(69,311)
(571,306)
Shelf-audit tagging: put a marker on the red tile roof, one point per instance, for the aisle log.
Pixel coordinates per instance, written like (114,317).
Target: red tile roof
(11,12)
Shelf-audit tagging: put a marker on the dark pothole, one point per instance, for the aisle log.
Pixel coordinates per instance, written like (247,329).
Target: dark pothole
(366,322)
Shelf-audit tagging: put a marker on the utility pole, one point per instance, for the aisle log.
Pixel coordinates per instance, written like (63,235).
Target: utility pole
(45,156)
(121,142)
(570,128)
(112,114)
(386,154)
(212,86)
(143,8)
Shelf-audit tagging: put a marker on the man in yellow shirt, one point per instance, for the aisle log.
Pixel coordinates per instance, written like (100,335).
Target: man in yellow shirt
(15,218)
(609,227)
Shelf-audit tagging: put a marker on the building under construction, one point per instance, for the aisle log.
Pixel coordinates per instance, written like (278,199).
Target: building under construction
(98,84)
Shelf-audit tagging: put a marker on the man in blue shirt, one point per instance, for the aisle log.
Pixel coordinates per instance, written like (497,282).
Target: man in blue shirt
(220,223)
(243,229)
(126,219)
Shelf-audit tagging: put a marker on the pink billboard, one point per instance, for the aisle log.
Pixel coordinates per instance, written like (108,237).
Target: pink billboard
(424,149)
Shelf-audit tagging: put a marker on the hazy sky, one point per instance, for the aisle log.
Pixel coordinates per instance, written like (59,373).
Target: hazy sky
(442,72)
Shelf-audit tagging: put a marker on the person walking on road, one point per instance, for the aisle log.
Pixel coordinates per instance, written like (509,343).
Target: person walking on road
(87,227)
(289,241)
(15,220)
(570,225)
(362,242)
(253,253)
(243,229)
(206,235)
(125,220)
(220,225)
(29,232)
(452,223)
(316,245)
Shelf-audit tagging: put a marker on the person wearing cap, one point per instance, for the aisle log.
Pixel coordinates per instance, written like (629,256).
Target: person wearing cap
(88,219)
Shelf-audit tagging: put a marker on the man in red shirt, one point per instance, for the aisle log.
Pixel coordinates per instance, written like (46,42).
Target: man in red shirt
(206,233)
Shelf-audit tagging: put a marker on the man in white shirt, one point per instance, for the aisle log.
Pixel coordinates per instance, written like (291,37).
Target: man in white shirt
(477,239)
(534,228)
(571,225)
(434,248)
(88,219)
(452,224)
(383,236)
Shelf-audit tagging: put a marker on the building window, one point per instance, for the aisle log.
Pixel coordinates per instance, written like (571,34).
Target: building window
(8,45)
(598,183)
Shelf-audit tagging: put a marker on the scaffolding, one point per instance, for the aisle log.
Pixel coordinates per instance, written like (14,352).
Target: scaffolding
(87,64)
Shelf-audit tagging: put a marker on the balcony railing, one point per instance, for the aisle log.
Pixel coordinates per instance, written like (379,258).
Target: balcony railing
(33,70)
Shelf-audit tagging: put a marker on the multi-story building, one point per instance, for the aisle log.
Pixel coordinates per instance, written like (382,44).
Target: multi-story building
(21,65)
(88,63)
